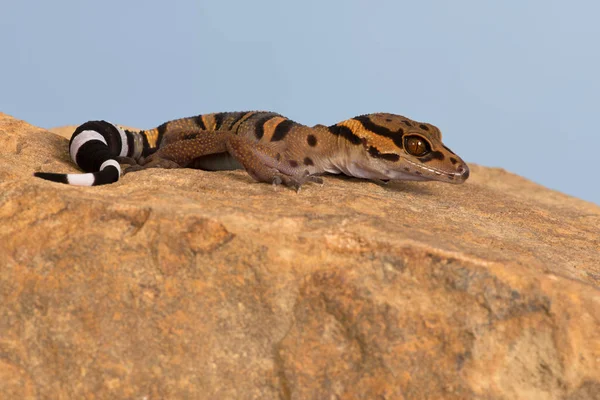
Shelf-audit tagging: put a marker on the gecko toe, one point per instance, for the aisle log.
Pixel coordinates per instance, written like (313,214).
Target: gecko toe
(315,179)
(277,181)
(126,160)
(133,168)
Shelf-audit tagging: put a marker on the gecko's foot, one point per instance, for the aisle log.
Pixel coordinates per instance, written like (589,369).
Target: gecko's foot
(133,168)
(151,162)
(292,181)
(316,179)
(277,178)
(126,160)
(270,164)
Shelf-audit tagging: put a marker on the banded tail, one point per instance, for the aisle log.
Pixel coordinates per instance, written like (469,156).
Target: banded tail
(94,147)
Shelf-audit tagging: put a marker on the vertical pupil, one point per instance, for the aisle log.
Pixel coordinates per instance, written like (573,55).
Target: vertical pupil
(416,146)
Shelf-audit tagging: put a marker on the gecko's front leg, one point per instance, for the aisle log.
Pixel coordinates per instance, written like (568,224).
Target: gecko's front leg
(267,164)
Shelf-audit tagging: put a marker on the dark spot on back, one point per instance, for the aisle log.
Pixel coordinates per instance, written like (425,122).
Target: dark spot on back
(237,119)
(308,161)
(388,120)
(345,132)
(146,149)
(311,140)
(218,120)
(407,123)
(282,129)
(293,163)
(199,122)
(161,132)
(189,136)
(424,127)
(259,125)
(162,128)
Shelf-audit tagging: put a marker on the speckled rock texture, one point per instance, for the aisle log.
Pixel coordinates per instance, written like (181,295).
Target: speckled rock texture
(174,284)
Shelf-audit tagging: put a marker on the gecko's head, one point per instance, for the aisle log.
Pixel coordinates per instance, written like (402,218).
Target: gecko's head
(395,147)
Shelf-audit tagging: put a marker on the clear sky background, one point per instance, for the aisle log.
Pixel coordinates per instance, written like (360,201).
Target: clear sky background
(512,84)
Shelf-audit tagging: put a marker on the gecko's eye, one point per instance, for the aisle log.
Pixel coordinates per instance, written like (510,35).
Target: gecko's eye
(416,146)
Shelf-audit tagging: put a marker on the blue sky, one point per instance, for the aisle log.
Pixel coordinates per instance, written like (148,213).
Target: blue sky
(512,84)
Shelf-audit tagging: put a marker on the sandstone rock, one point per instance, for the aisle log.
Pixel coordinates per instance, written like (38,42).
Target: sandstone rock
(192,284)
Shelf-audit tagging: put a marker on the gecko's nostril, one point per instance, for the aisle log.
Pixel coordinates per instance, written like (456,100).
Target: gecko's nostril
(463,170)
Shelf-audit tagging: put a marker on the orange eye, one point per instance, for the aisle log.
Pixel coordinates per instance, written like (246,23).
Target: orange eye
(416,146)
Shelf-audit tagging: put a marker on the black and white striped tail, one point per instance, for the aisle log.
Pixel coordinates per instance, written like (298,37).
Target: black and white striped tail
(94,146)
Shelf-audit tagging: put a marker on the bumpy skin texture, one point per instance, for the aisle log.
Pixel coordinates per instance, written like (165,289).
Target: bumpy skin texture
(270,147)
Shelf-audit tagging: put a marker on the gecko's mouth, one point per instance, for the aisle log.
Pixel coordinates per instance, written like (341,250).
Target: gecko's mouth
(419,172)
(405,176)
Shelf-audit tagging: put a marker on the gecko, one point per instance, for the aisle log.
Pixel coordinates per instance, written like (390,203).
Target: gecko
(269,146)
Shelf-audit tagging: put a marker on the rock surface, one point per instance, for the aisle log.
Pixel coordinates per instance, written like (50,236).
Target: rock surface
(207,285)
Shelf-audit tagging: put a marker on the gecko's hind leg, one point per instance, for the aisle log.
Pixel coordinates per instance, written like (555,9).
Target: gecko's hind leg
(179,148)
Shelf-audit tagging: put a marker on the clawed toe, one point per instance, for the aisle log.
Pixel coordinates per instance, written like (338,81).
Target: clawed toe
(315,179)
(277,181)
(126,160)
(294,182)
(286,180)
(133,168)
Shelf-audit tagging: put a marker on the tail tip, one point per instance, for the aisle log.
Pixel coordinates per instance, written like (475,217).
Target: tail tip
(49,176)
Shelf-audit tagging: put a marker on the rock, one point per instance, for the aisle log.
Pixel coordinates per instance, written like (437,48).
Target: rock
(193,284)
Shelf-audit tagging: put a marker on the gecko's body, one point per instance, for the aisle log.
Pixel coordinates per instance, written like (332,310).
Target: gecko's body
(270,147)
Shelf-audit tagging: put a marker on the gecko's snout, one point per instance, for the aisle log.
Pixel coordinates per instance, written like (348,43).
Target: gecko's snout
(463,171)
